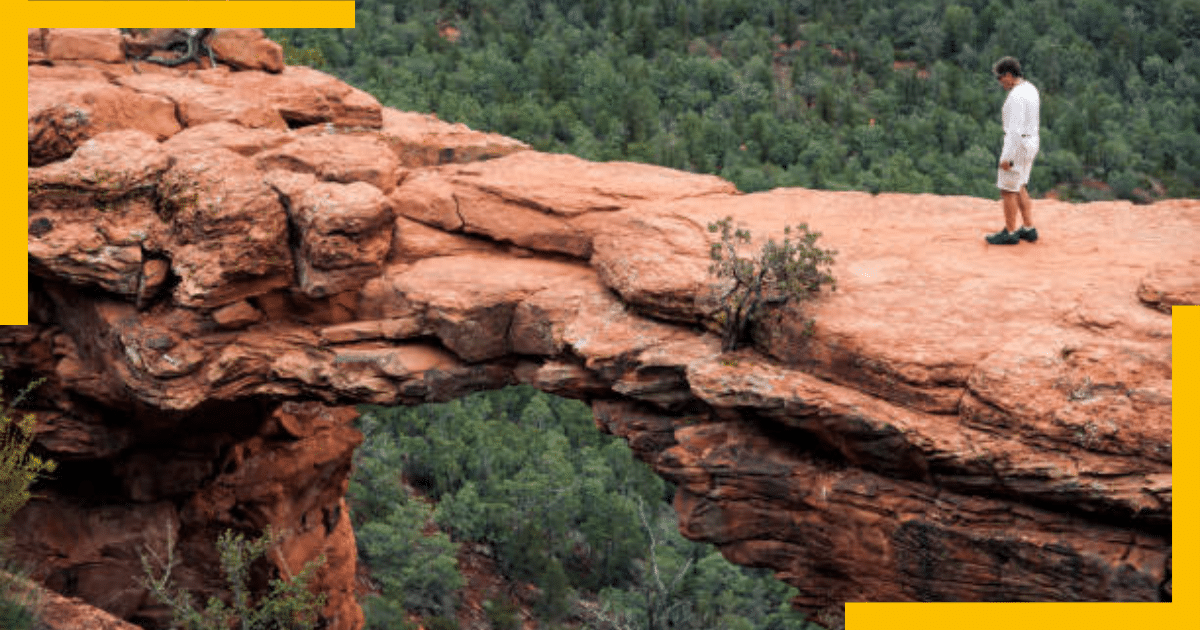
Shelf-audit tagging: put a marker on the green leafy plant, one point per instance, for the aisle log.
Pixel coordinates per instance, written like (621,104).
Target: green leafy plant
(440,623)
(502,614)
(288,604)
(380,613)
(792,270)
(19,469)
(15,611)
(296,56)
(525,478)
(413,571)
(19,598)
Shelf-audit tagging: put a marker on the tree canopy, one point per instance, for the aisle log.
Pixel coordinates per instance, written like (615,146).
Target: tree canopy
(862,94)
(558,504)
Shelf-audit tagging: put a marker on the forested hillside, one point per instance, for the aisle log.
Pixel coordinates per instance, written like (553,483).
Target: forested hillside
(838,94)
(556,504)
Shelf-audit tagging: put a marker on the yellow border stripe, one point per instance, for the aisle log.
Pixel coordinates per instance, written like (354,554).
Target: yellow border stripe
(14,277)
(1185,438)
(253,14)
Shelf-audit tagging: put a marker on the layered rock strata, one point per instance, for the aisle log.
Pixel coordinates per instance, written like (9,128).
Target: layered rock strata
(212,290)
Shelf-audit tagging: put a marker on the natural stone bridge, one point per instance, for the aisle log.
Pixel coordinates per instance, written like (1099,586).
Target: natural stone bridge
(223,262)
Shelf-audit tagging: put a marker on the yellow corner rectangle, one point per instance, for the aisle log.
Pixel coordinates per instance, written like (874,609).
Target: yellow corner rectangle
(14,275)
(250,14)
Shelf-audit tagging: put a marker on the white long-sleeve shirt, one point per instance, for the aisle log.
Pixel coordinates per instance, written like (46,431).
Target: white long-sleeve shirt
(1020,119)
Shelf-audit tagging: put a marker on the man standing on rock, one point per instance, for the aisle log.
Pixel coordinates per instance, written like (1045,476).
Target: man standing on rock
(1020,119)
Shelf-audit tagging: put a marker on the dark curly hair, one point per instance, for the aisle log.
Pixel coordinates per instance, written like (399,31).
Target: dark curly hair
(1007,65)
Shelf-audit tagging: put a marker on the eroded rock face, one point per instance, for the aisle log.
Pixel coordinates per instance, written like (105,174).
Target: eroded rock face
(56,612)
(211,296)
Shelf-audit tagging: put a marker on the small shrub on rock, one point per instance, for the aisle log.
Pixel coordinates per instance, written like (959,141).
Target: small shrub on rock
(19,469)
(502,614)
(789,271)
(289,605)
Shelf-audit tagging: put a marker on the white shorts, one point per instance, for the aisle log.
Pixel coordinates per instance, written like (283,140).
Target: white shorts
(1014,178)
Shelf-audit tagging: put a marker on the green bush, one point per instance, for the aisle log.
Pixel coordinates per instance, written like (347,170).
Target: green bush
(288,604)
(415,572)
(440,623)
(502,614)
(555,600)
(527,475)
(384,614)
(294,56)
(793,270)
(19,469)
(16,603)
(1123,184)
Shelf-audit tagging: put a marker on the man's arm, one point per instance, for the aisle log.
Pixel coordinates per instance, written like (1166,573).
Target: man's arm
(1014,120)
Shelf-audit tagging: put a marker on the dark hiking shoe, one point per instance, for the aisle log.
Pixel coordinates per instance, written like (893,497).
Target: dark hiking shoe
(1027,234)
(1003,237)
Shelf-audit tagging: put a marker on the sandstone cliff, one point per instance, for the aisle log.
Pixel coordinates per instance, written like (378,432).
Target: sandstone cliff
(225,260)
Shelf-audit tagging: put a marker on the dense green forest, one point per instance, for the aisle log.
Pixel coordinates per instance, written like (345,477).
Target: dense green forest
(881,96)
(558,505)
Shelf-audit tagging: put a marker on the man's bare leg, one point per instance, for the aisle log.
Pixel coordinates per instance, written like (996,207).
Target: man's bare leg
(1026,206)
(1011,201)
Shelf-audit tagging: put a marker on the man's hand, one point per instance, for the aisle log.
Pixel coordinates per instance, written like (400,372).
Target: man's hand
(1004,166)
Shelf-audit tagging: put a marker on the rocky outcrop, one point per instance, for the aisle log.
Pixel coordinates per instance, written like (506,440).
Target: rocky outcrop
(207,300)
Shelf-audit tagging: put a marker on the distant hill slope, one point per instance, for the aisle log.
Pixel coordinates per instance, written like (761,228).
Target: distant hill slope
(866,95)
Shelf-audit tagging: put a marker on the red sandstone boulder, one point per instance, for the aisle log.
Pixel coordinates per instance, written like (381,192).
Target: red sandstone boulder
(303,96)
(99,44)
(246,49)
(412,241)
(115,162)
(429,198)
(338,158)
(1171,284)
(467,301)
(344,236)
(237,315)
(230,228)
(198,103)
(64,113)
(544,202)
(227,135)
(92,216)
(423,140)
